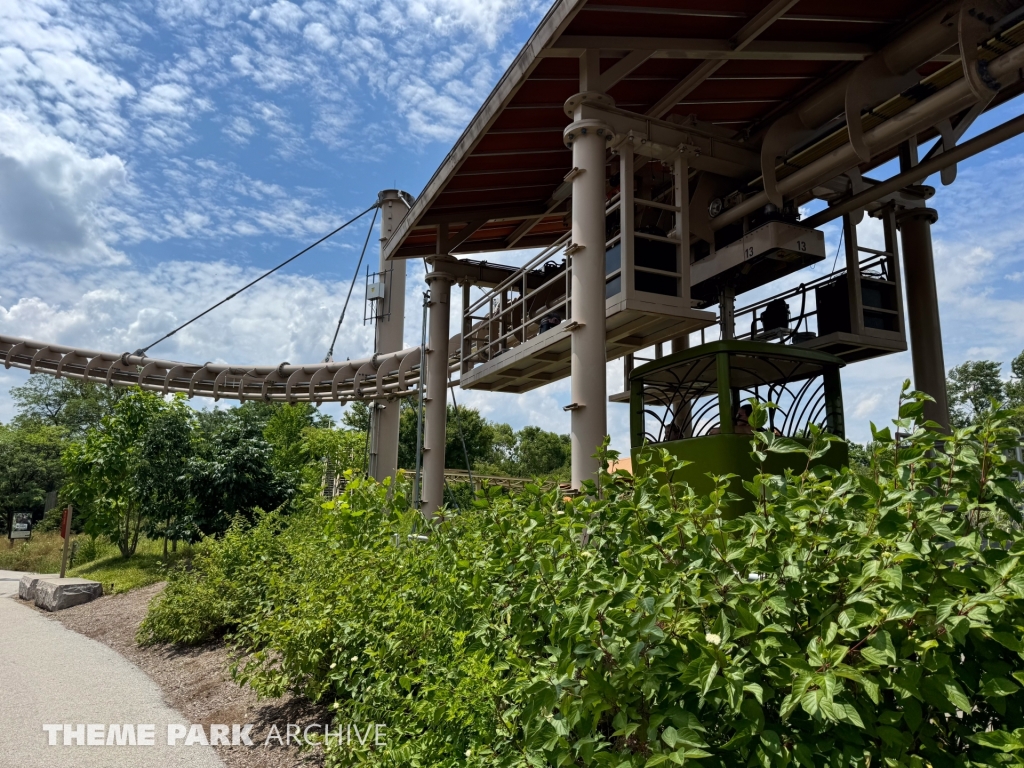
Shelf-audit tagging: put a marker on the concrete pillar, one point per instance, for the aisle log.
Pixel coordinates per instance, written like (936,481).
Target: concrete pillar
(436,409)
(388,337)
(923,309)
(588,139)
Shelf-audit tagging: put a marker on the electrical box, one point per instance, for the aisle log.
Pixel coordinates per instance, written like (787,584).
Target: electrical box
(880,306)
(771,251)
(374,291)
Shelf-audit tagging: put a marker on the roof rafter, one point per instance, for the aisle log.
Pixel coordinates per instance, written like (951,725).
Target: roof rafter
(572,46)
(741,40)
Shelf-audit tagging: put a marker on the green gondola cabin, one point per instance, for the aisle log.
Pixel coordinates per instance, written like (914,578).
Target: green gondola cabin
(691,404)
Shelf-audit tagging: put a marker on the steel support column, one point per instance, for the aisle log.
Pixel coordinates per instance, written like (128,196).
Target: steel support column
(923,309)
(588,139)
(436,410)
(388,338)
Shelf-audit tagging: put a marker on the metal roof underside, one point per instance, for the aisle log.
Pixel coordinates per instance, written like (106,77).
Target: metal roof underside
(735,66)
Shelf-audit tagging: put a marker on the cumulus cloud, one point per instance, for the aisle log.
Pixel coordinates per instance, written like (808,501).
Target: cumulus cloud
(287,317)
(52,194)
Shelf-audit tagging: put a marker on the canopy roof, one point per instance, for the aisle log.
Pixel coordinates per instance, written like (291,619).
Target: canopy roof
(730,68)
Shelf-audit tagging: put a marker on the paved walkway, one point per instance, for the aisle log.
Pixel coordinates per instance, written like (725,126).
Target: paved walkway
(49,674)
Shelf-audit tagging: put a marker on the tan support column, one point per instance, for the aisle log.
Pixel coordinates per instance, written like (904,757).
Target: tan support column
(388,337)
(727,313)
(681,181)
(436,409)
(588,139)
(923,309)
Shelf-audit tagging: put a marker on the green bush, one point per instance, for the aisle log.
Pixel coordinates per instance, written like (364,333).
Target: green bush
(850,619)
(223,578)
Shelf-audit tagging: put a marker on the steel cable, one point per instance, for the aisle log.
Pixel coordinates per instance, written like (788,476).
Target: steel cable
(344,309)
(141,352)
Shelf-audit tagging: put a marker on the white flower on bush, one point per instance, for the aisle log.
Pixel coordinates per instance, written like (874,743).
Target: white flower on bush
(355,658)
(712,638)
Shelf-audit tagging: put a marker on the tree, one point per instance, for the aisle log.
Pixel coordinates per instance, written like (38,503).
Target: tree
(167,447)
(530,452)
(68,403)
(541,453)
(1015,388)
(475,429)
(29,466)
(344,448)
(125,473)
(232,472)
(971,387)
(357,416)
(284,432)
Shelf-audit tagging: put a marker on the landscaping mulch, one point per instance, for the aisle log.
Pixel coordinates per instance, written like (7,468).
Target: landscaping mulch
(196,682)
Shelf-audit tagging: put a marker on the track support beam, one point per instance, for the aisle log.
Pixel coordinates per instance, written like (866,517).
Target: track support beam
(436,410)
(390,327)
(923,310)
(588,137)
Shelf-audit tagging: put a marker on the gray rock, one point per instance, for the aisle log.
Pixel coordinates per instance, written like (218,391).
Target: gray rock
(57,594)
(27,586)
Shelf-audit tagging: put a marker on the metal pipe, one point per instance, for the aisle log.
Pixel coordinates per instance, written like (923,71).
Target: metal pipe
(903,55)
(918,173)
(589,416)
(923,115)
(436,410)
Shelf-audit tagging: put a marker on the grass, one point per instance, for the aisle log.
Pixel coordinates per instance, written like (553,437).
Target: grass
(97,559)
(40,554)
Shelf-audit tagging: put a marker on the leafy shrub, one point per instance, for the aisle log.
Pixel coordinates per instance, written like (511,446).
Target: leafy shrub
(205,599)
(849,619)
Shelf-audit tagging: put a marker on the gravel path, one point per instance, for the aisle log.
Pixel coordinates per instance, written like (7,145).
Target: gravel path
(49,674)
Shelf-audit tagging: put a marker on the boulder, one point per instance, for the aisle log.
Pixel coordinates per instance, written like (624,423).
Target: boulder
(27,587)
(57,594)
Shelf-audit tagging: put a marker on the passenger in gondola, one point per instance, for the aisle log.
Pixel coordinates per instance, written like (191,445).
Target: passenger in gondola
(740,422)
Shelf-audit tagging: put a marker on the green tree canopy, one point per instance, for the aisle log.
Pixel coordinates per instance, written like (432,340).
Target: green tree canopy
(477,432)
(284,432)
(357,416)
(74,405)
(29,466)
(970,387)
(127,473)
(232,473)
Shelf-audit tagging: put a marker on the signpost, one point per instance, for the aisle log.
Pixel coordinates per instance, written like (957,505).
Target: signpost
(65,532)
(20,527)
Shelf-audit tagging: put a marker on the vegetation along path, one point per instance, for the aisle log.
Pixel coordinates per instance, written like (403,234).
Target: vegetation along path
(49,674)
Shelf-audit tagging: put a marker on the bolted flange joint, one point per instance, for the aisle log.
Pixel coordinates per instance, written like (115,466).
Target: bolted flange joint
(599,101)
(581,128)
(928,214)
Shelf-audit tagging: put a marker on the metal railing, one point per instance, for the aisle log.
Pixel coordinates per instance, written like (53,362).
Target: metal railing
(478,481)
(875,266)
(512,313)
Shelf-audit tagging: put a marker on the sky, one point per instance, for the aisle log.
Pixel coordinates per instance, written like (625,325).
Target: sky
(157,155)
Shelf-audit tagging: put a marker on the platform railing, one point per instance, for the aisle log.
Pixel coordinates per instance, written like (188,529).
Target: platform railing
(508,315)
(748,318)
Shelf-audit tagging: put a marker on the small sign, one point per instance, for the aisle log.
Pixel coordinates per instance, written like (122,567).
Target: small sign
(21,526)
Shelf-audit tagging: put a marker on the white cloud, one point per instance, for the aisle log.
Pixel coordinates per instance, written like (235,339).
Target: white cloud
(240,129)
(320,36)
(52,194)
(286,317)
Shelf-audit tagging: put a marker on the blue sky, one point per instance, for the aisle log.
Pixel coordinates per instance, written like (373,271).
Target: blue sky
(155,155)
